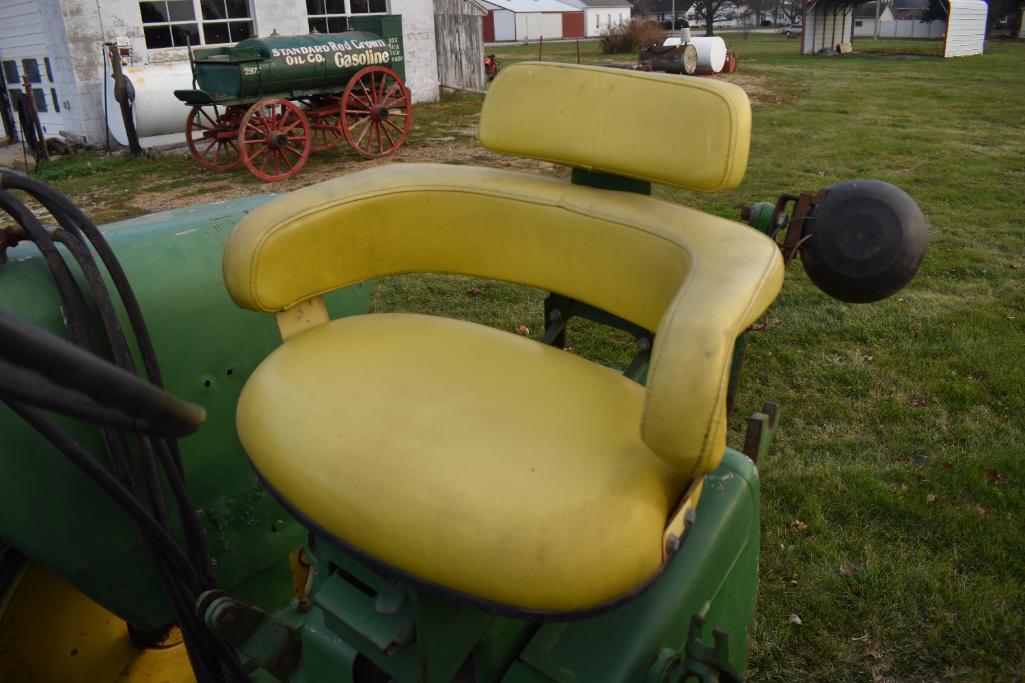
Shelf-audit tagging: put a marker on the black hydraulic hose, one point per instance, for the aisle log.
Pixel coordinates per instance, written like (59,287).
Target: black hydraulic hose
(76,311)
(71,295)
(197,647)
(207,652)
(119,347)
(27,386)
(193,528)
(152,532)
(74,367)
(63,208)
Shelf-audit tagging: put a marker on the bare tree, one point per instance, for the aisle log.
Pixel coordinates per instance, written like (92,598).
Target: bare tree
(710,11)
(641,8)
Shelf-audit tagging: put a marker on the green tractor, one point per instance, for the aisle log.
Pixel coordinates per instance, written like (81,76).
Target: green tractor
(217,466)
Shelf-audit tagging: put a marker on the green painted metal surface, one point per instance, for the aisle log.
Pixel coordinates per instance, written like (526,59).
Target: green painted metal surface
(294,66)
(207,347)
(414,637)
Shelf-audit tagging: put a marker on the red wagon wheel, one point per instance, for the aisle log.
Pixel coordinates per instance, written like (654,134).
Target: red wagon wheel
(212,136)
(275,139)
(325,116)
(375,112)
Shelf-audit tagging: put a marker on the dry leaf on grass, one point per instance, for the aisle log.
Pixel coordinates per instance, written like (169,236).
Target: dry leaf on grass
(982,510)
(794,619)
(864,638)
(847,569)
(994,478)
(522,329)
(798,525)
(931,498)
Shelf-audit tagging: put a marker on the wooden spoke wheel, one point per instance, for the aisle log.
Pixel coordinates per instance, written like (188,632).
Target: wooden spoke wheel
(212,136)
(375,112)
(325,116)
(275,139)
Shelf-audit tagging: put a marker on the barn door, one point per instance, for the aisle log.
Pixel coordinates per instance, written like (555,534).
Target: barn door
(459,38)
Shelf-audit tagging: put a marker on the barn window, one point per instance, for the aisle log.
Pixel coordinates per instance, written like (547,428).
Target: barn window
(40,97)
(857,23)
(11,71)
(31,68)
(332,16)
(56,102)
(177,23)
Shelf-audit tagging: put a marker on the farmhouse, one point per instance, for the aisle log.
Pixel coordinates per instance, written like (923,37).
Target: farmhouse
(59,44)
(531,19)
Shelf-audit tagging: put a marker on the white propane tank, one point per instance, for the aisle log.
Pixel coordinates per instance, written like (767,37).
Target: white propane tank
(155,108)
(711,54)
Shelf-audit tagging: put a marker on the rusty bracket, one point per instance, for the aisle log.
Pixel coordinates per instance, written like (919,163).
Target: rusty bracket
(10,236)
(797,222)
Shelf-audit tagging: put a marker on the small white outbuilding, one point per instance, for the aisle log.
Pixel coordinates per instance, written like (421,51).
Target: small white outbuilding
(531,19)
(966,28)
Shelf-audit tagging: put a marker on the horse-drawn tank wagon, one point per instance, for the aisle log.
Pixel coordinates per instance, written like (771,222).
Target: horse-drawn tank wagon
(268,103)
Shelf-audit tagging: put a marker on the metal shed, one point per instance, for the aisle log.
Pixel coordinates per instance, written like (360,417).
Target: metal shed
(966,28)
(827,25)
(460,43)
(531,19)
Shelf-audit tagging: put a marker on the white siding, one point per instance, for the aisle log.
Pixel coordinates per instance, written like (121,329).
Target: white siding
(528,26)
(598,20)
(421,55)
(29,30)
(551,25)
(505,24)
(966,28)
(279,16)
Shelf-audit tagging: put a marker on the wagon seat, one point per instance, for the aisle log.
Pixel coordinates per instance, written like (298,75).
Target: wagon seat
(472,460)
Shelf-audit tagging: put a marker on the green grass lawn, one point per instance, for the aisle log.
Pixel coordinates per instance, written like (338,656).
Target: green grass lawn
(893,509)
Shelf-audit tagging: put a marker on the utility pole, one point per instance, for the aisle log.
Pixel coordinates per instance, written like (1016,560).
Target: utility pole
(876,37)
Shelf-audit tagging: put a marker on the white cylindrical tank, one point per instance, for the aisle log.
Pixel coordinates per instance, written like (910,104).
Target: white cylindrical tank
(155,108)
(711,54)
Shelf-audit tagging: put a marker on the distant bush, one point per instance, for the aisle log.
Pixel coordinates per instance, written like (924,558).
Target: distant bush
(630,37)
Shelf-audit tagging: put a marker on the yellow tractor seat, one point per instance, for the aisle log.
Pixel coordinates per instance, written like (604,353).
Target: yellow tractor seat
(473,458)
(480,462)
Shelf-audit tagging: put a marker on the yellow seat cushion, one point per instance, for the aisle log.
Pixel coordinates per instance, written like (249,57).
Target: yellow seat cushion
(465,456)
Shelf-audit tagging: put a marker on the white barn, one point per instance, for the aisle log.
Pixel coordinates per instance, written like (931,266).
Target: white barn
(59,44)
(523,20)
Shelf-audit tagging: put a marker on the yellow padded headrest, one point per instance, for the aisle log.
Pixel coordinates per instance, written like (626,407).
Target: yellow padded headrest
(685,131)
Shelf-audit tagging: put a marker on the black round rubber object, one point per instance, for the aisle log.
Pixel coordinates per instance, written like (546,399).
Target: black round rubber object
(868,239)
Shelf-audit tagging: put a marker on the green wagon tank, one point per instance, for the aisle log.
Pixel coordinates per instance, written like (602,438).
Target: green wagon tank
(267,103)
(286,66)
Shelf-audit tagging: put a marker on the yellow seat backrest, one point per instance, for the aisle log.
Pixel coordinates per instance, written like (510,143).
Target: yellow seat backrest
(696,280)
(689,132)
